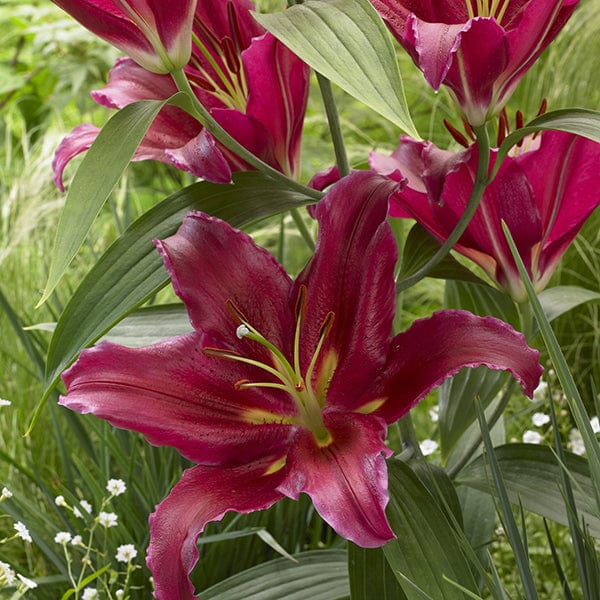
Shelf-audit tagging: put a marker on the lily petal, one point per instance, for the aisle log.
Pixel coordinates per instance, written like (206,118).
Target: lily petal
(173,394)
(352,275)
(203,494)
(436,348)
(212,263)
(78,141)
(347,480)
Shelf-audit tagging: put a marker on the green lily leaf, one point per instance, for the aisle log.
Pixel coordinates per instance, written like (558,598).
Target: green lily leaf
(347,42)
(531,475)
(318,575)
(131,271)
(562,298)
(97,175)
(371,576)
(420,246)
(427,550)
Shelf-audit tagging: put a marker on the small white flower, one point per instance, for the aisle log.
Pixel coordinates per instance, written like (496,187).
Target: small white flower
(28,583)
(4,402)
(541,391)
(575,443)
(7,575)
(116,487)
(6,493)
(90,594)
(499,530)
(595,423)
(532,437)
(77,512)
(126,553)
(540,418)
(60,501)
(428,447)
(77,541)
(119,594)
(107,519)
(22,531)
(62,537)
(86,506)
(434,413)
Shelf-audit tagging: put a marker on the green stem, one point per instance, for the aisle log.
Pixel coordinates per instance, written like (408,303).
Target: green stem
(479,185)
(335,128)
(199,112)
(408,436)
(302,228)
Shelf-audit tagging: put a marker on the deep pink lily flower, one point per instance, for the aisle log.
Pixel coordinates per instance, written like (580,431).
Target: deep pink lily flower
(479,49)
(285,386)
(156,34)
(253,86)
(544,192)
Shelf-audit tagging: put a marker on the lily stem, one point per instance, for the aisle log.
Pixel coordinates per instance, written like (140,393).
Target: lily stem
(479,185)
(408,436)
(335,128)
(204,117)
(303,229)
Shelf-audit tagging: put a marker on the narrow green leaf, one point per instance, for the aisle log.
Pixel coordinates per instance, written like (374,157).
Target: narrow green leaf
(427,548)
(420,246)
(579,121)
(97,175)
(347,42)
(563,298)
(531,473)
(131,271)
(318,575)
(371,576)
(85,581)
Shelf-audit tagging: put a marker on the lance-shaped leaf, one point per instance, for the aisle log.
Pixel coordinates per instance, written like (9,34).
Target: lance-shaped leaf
(95,179)
(347,42)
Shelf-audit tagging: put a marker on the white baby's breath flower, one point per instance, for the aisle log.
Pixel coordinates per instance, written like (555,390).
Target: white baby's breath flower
(595,423)
(60,501)
(77,541)
(126,553)
(4,402)
(116,487)
(119,594)
(77,512)
(86,506)
(434,413)
(541,391)
(28,583)
(22,531)
(532,437)
(6,493)
(428,447)
(540,418)
(575,443)
(90,594)
(62,537)
(7,575)
(107,519)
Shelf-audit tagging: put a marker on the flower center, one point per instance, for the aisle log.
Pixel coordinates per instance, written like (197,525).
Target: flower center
(288,377)
(487,8)
(217,62)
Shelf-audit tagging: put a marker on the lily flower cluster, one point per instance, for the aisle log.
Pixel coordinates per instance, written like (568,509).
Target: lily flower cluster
(287,386)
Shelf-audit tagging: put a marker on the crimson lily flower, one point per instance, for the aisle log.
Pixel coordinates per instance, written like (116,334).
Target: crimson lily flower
(252,85)
(479,49)
(156,34)
(285,386)
(544,192)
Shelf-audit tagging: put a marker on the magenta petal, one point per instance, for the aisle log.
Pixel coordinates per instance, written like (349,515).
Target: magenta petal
(78,141)
(352,275)
(173,394)
(202,495)
(435,348)
(346,480)
(210,263)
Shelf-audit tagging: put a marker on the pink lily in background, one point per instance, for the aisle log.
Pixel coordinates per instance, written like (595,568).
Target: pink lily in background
(285,386)
(156,34)
(479,49)
(544,192)
(252,85)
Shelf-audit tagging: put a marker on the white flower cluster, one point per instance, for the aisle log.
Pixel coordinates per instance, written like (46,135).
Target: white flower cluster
(116,487)
(126,553)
